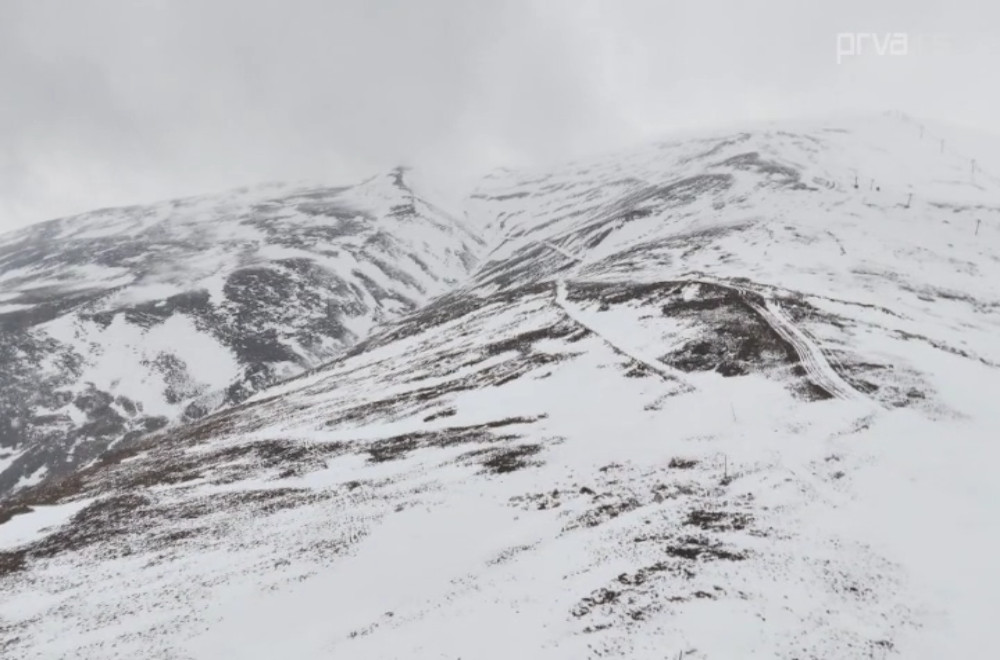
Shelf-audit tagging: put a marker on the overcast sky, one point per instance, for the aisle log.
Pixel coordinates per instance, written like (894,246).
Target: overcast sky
(129,101)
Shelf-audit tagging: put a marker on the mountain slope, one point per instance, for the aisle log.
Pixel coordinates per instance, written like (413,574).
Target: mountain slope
(121,321)
(706,399)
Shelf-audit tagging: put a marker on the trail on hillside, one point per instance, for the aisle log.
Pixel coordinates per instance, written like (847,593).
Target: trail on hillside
(818,369)
(569,255)
(617,343)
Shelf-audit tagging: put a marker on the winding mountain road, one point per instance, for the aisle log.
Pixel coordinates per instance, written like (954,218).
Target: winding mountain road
(818,369)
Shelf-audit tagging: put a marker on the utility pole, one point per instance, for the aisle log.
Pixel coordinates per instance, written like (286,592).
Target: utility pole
(908,200)
(978,222)
(725,466)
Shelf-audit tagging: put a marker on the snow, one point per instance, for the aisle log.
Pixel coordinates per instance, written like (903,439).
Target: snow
(7,458)
(27,527)
(614,338)
(868,524)
(32,479)
(120,349)
(397,567)
(15,274)
(931,510)
(420,573)
(121,296)
(144,292)
(10,308)
(208,361)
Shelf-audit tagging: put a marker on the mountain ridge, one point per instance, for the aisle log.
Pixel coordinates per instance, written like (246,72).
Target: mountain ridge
(160,314)
(703,400)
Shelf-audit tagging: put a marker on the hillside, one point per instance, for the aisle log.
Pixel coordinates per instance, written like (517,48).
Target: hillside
(122,321)
(728,396)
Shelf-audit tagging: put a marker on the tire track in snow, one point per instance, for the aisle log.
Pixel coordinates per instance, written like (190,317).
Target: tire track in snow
(617,344)
(806,477)
(565,253)
(668,373)
(818,369)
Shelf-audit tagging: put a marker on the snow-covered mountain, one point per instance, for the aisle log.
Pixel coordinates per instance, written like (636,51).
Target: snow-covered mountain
(729,396)
(121,321)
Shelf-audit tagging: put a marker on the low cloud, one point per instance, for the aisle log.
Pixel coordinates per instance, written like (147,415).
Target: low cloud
(123,102)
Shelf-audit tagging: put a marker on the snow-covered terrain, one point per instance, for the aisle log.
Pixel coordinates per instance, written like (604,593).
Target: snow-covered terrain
(729,396)
(118,322)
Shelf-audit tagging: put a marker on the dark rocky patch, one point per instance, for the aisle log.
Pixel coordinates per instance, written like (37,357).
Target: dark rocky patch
(12,562)
(718,520)
(643,575)
(102,520)
(603,596)
(700,548)
(752,161)
(733,339)
(399,446)
(450,412)
(605,512)
(682,463)
(509,459)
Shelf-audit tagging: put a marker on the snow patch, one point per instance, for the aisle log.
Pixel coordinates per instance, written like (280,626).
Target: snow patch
(36,524)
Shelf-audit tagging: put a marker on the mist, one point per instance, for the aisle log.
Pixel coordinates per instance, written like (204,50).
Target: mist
(110,103)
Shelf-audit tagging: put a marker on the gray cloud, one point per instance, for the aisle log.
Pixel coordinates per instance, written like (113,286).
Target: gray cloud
(113,102)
